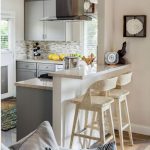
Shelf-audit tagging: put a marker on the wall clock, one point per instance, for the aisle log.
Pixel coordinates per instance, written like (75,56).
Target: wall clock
(134,26)
(111,58)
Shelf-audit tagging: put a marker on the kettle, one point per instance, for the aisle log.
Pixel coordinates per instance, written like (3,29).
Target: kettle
(71,62)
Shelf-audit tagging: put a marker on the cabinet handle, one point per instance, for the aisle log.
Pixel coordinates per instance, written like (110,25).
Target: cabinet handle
(44,36)
(34,74)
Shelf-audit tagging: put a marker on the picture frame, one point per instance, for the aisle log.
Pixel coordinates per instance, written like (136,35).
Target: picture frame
(91,7)
(134,26)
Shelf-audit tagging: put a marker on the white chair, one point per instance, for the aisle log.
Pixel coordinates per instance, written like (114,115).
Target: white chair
(98,105)
(121,107)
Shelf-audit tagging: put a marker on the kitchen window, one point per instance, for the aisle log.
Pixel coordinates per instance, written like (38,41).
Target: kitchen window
(90,37)
(4,34)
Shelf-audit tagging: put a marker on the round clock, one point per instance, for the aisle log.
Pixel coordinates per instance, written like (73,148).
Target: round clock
(111,58)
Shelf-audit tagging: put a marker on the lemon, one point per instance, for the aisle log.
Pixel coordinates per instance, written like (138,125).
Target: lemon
(50,56)
(55,57)
(62,56)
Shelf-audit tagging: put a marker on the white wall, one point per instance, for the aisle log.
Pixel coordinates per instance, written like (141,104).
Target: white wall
(105,28)
(17,7)
(138,53)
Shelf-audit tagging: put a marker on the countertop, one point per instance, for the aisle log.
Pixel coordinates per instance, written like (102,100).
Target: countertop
(41,61)
(84,72)
(45,84)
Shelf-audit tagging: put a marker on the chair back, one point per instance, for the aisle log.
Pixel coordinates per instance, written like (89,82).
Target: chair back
(107,85)
(101,86)
(124,79)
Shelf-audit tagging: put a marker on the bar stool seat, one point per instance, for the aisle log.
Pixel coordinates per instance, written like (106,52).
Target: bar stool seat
(101,100)
(95,100)
(118,93)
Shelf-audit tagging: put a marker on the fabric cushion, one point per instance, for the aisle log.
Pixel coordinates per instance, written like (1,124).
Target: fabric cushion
(109,146)
(3,147)
(41,139)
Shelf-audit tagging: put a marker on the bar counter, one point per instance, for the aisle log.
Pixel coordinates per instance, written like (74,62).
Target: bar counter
(72,83)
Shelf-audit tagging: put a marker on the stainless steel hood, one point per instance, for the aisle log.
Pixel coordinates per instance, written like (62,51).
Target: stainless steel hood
(72,10)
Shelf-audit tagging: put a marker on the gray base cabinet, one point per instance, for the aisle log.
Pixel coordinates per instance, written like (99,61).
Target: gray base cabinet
(4,79)
(25,74)
(25,71)
(33,107)
(29,70)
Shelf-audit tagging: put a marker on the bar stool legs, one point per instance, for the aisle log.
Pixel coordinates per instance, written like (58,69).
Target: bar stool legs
(121,127)
(101,125)
(119,119)
(128,120)
(74,125)
(99,105)
(112,125)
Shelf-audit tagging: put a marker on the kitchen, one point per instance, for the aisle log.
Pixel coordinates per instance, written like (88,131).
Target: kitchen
(39,35)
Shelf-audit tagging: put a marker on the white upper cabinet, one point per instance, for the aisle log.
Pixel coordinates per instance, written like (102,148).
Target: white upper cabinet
(33,25)
(49,7)
(55,31)
(74,31)
(35,29)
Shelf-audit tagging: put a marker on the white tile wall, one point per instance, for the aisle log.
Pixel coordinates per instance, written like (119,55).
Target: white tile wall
(24,49)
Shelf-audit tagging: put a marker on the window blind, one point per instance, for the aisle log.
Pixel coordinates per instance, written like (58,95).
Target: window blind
(4,33)
(90,38)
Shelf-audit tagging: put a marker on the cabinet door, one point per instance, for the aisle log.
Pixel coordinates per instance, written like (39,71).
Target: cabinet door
(33,15)
(44,66)
(74,31)
(25,74)
(4,79)
(53,30)
(26,65)
(49,8)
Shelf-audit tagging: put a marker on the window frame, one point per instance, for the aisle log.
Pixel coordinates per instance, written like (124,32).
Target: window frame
(9,35)
(85,34)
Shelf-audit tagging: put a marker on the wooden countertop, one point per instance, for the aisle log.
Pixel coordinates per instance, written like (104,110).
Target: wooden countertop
(85,72)
(44,84)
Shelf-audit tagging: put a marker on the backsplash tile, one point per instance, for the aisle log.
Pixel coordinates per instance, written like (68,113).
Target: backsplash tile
(24,49)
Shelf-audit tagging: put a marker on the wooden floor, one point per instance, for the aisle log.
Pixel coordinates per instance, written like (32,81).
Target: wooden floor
(141,142)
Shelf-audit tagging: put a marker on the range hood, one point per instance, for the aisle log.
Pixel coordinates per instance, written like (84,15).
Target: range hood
(72,10)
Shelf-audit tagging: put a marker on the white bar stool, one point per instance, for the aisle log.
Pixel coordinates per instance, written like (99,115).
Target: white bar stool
(121,106)
(96,104)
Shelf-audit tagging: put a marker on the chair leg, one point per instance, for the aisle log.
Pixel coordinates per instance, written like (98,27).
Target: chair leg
(92,124)
(128,120)
(112,125)
(85,124)
(74,126)
(119,119)
(101,123)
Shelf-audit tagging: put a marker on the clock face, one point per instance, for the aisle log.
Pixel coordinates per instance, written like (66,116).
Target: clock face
(111,58)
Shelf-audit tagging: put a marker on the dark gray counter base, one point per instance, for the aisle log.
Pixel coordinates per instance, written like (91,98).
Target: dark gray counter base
(33,107)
